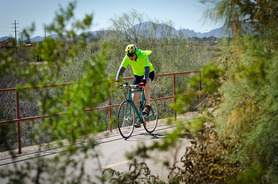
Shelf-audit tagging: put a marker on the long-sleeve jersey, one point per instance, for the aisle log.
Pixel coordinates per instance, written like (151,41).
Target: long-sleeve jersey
(141,62)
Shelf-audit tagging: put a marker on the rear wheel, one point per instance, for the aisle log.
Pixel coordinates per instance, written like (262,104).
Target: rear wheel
(151,119)
(126,118)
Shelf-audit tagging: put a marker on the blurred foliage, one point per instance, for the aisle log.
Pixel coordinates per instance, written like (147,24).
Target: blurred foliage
(71,101)
(139,173)
(248,95)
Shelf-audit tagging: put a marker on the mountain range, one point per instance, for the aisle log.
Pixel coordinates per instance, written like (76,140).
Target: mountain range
(218,32)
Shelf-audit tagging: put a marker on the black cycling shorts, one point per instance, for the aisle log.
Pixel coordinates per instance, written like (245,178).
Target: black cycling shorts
(138,79)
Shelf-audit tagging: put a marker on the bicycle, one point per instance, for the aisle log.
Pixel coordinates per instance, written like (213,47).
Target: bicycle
(127,111)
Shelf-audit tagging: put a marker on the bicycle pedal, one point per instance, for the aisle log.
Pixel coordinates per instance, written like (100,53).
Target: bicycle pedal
(137,125)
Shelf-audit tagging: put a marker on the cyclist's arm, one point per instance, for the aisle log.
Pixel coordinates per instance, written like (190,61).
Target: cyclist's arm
(147,72)
(119,73)
(146,66)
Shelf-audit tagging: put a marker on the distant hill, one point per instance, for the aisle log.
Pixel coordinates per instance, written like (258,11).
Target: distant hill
(218,32)
(36,39)
(3,38)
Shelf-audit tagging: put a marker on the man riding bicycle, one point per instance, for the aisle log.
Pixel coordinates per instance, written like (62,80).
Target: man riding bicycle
(143,73)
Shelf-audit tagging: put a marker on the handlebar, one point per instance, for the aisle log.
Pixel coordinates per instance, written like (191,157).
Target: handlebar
(133,86)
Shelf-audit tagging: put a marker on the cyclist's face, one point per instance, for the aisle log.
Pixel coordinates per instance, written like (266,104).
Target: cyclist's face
(132,57)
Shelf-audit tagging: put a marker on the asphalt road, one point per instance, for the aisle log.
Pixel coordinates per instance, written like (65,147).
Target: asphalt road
(113,150)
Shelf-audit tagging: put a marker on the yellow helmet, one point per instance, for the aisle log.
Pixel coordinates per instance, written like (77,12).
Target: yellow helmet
(130,49)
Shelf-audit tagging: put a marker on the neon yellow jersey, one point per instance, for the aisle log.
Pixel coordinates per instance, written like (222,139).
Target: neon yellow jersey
(141,62)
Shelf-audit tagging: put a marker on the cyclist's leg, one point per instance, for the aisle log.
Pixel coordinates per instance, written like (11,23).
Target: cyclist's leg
(148,91)
(135,96)
(147,88)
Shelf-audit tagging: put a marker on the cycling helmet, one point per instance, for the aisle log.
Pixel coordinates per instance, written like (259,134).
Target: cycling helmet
(130,49)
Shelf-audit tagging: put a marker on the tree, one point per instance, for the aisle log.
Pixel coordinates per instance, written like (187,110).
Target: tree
(248,105)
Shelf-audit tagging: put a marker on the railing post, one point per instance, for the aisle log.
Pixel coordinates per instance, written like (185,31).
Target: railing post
(200,92)
(174,93)
(18,123)
(110,113)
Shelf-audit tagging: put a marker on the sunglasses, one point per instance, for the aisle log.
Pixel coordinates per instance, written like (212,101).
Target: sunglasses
(130,55)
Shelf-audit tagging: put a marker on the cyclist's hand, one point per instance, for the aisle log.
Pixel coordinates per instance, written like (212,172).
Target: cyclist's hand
(116,84)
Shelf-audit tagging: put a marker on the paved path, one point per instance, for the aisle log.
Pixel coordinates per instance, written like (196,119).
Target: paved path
(113,149)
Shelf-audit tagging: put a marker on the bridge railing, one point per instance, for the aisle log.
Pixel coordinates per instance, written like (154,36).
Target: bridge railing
(18,120)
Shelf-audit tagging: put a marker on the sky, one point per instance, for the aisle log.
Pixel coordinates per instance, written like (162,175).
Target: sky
(184,14)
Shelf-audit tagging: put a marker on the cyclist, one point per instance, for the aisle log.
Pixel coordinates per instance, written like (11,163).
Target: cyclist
(143,73)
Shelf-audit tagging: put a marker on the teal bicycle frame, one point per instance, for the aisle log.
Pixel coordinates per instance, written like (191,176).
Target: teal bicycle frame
(141,107)
(130,92)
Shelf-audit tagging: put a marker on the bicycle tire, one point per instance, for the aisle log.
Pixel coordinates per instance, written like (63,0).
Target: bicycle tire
(126,119)
(151,119)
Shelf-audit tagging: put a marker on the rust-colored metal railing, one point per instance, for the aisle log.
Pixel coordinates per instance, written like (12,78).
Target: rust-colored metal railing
(18,119)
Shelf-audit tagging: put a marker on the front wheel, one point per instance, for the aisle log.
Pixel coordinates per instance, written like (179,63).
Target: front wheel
(151,119)
(126,118)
